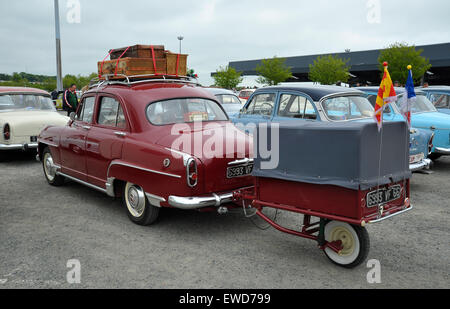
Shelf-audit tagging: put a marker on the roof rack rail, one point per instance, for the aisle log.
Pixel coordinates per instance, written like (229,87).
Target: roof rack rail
(121,79)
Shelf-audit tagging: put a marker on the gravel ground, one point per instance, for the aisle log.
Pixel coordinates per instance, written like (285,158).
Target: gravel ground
(42,227)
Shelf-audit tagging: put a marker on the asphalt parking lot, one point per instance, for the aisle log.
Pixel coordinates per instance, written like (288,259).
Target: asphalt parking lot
(42,227)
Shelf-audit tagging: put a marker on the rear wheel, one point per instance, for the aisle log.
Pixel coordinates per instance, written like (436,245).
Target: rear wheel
(49,169)
(434,156)
(139,210)
(355,242)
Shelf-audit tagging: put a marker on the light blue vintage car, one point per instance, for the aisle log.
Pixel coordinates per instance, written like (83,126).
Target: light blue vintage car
(228,99)
(322,103)
(424,116)
(440,97)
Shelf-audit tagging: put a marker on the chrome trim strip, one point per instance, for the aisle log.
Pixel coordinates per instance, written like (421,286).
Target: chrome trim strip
(424,164)
(191,203)
(47,143)
(83,182)
(245,161)
(176,153)
(155,200)
(393,215)
(444,151)
(142,169)
(18,146)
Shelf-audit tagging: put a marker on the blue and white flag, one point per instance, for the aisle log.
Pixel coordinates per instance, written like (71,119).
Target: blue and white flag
(408,98)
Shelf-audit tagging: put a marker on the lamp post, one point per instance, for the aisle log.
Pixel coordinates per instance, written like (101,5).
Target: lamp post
(180,38)
(59,82)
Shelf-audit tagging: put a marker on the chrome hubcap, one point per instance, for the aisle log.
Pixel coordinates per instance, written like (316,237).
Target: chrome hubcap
(135,199)
(48,166)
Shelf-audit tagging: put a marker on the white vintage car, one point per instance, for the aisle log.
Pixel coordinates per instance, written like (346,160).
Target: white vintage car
(24,112)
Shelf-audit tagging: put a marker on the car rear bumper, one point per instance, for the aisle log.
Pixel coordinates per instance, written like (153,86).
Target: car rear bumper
(424,164)
(23,147)
(442,151)
(190,203)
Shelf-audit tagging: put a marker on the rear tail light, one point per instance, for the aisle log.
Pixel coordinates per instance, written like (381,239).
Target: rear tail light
(430,144)
(191,173)
(6,132)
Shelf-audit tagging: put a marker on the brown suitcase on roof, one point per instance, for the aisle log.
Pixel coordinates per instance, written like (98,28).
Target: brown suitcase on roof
(133,66)
(138,51)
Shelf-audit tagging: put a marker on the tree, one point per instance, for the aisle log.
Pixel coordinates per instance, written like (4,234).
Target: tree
(273,71)
(399,56)
(329,70)
(227,78)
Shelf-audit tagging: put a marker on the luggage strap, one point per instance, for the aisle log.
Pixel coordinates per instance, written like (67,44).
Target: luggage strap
(117,63)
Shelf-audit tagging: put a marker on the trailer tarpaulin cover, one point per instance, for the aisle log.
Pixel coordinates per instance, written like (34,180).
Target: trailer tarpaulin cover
(344,154)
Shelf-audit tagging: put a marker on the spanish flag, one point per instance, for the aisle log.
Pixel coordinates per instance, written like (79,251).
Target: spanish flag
(386,95)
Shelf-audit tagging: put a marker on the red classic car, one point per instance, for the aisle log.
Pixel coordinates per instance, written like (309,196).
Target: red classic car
(125,138)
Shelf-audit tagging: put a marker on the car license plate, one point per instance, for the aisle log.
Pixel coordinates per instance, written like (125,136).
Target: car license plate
(239,171)
(416,158)
(383,196)
(33,139)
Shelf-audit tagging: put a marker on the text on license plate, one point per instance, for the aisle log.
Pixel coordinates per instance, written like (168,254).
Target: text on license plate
(239,171)
(384,195)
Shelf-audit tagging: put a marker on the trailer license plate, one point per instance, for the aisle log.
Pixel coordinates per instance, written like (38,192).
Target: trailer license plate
(239,171)
(384,196)
(416,158)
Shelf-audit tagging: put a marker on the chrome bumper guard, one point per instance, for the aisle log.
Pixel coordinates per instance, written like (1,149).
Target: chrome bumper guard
(424,164)
(443,151)
(191,203)
(392,215)
(23,147)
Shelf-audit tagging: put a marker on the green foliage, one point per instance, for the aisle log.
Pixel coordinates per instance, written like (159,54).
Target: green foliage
(329,70)
(227,78)
(273,71)
(399,56)
(43,82)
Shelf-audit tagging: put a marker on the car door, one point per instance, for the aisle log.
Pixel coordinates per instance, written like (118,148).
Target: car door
(105,138)
(295,106)
(259,109)
(73,141)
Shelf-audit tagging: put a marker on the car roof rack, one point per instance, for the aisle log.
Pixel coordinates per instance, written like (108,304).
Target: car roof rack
(125,80)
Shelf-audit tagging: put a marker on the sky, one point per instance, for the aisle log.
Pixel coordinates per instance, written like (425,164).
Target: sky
(215,31)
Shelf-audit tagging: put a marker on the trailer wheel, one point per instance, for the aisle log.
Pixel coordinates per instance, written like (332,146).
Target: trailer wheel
(355,241)
(139,210)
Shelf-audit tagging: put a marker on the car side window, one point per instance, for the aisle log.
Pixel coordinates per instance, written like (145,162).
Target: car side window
(295,106)
(111,113)
(87,110)
(261,104)
(439,100)
(373,100)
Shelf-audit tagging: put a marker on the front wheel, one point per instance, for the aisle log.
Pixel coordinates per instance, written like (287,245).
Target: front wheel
(49,169)
(355,242)
(140,211)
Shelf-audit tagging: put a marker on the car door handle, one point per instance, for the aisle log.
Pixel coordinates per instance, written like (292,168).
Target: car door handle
(87,128)
(121,134)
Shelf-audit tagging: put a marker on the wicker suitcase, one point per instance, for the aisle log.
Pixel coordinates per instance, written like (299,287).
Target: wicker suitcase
(132,67)
(138,51)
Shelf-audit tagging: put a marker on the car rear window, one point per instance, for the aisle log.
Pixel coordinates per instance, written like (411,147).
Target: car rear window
(184,111)
(26,102)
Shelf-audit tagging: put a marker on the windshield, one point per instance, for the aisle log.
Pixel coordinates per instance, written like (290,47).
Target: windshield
(27,102)
(228,99)
(347,108)
(184,110)
(420,105)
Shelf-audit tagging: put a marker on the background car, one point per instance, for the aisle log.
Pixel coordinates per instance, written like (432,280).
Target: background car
(230,102)
(24,112)
(424,116)
(321,103)
(439,96)
(122,143)
(245,94)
